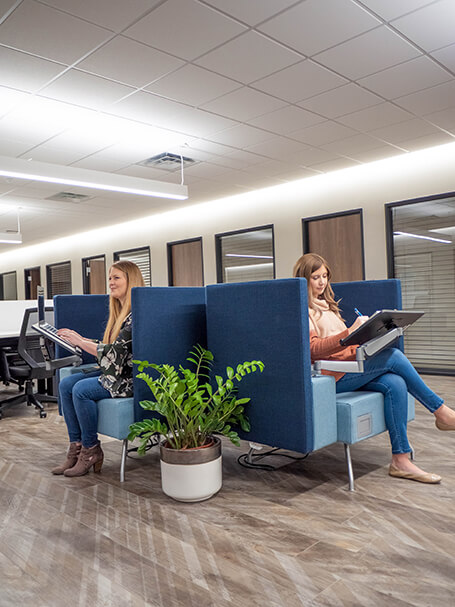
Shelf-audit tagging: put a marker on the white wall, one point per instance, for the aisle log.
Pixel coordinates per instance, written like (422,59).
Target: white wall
(367,186)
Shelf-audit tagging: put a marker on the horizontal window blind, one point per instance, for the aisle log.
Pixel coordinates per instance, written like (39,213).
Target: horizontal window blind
(59,279)
(141,257)
(426,269)
(247,256)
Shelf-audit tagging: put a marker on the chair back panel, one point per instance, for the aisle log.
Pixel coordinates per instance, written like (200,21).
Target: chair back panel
(167,323)
(86,314)
(268,321)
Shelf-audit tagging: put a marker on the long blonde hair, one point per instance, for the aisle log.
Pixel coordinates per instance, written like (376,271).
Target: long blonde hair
(117,311)
(304,267)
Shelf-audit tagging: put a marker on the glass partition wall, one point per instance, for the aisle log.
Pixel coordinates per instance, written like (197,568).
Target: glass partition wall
(421,235)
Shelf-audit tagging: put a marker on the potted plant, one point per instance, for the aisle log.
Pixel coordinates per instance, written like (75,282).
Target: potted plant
(192,412)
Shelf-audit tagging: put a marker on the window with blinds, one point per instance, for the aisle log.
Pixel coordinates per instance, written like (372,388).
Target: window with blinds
(423,235)
(8,286)
(58,279)
(245,255)
(141,257)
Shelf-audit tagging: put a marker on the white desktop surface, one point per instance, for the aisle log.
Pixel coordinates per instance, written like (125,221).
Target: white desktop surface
(12,313)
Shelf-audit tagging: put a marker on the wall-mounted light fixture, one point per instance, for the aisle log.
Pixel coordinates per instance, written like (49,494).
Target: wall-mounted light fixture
(19,168)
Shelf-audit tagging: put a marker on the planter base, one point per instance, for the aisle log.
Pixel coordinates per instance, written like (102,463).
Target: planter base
(193,483)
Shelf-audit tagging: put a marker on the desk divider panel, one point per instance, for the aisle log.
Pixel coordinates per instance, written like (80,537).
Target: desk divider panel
(86,314)
(268,321)
(167,323)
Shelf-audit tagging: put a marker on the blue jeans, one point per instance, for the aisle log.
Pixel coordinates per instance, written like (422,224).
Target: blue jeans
(391,373)
(78,395)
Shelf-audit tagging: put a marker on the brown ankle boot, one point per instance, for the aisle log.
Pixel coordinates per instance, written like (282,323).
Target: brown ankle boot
(93,456)
(71,458)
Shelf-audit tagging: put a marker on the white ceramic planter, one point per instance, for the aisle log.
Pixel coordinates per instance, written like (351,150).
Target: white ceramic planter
(191,475)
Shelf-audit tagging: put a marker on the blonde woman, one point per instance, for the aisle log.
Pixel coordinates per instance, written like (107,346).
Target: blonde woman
(79,392)
(389,372)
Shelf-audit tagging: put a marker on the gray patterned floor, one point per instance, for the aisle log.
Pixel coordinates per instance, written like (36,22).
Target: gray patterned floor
(292,537)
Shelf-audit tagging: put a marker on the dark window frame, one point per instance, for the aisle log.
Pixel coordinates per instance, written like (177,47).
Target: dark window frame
(116,255)
(26,282)
(218,254)
(169,246)
(48,275)
(2,292)
(84,274)
(307,220)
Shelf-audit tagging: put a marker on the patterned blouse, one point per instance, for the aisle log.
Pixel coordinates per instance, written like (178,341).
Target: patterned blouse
(116,364)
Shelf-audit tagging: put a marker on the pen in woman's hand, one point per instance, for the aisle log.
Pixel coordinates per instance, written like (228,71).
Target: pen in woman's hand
(357,312)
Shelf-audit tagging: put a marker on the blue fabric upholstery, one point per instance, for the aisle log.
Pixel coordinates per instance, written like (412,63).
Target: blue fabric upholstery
(115,415)
(167,323)
(360,415)
(268,321)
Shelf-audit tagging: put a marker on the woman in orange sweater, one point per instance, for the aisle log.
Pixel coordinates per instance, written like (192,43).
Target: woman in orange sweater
(389,372)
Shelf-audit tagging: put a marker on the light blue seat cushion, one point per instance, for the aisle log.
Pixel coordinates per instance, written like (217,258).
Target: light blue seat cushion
(115,416)
(65,371)
(324,412)
(360,415)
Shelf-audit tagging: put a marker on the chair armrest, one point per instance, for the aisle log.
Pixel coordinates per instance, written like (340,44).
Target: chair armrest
(343,366)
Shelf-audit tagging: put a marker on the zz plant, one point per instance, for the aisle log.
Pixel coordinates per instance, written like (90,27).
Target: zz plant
(192,409)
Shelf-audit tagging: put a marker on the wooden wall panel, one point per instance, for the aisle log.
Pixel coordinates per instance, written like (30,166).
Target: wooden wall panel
(186,264)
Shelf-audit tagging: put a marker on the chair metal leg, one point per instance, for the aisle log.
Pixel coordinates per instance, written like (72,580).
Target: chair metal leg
(347,452)
(412,455)
(123,461)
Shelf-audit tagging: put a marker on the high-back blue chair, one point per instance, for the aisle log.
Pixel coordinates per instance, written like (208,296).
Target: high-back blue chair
(290,407)
(167,323)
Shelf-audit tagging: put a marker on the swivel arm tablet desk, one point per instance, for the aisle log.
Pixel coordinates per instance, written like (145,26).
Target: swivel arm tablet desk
(376,334)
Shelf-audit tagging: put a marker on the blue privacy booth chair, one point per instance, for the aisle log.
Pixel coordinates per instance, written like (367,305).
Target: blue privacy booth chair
(167,323)
(290,407)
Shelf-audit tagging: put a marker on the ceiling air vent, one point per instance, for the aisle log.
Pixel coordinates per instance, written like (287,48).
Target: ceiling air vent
(167,162)
(69,197)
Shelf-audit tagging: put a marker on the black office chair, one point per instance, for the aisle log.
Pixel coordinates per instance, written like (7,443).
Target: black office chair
(33,360)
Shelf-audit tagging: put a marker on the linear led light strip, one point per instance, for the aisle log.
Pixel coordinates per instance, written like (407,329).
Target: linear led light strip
(423,237)
(87,178)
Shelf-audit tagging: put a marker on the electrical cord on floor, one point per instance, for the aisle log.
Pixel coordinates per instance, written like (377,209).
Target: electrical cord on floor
(153,441)
(243,459)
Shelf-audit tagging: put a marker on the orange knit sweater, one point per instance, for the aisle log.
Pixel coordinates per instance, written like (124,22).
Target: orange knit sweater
(326,330)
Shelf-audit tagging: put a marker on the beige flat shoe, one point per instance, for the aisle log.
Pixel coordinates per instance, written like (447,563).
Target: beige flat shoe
(422,477)
(442,426)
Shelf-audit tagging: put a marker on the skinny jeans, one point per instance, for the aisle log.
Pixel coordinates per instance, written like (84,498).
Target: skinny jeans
(78,395)
(391,373)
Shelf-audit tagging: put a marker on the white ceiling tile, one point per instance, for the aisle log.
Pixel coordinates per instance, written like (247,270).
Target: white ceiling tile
(193,85)
(184,28)
(55,155)
(300,81)
(315,25)
(308,155)
(240,159)
(285,120)
(444,119)
(355,58)
(386,151)
(86,90)
(253,11)
(428,141)
(402,131)
(26,72)
(12,147)
(446,56)
(374,117)
(352,145)
(248,58)
(243,104)
(112,14)
(147,108)
(430,27)
(276,148)
(391,9)
(322,133)
(10,99)
(195,122)
(59,36)
(334,165)
(408,77)
(129,62)
(436,98)
(342,100)
(241,136)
